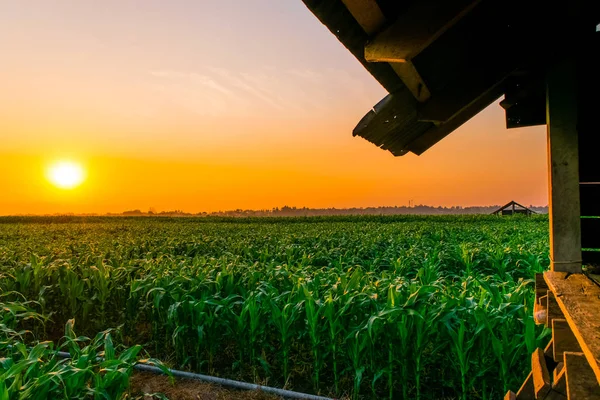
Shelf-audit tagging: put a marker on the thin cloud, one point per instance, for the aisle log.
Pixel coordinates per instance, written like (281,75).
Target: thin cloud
(253,84)
(290,92)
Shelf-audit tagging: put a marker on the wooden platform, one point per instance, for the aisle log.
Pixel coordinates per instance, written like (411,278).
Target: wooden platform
(569,367)
(579,300)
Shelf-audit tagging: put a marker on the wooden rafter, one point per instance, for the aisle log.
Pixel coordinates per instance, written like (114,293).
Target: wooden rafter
(467,87)
(370,17)
(367,13)
(414,30)
(411,33)
(412,79)
(434,135)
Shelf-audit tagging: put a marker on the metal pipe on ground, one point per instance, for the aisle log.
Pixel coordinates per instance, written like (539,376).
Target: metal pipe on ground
(222,381)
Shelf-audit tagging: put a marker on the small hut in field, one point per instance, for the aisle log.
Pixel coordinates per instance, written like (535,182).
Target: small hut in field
(513,208)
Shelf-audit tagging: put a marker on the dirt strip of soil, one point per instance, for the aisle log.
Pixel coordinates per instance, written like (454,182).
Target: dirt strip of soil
(189,389)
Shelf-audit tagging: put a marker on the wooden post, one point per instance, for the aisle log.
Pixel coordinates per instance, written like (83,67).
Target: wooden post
(563,166)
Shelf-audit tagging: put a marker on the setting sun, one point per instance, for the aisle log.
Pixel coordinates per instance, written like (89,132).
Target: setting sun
(66,174)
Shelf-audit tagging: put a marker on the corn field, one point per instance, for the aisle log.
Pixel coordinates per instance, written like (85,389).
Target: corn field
(400,307)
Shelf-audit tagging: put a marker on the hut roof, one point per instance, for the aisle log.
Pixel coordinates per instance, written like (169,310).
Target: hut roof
(443,61)
(517,207)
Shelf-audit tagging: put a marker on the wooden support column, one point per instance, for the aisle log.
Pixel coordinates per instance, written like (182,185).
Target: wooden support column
(563,167)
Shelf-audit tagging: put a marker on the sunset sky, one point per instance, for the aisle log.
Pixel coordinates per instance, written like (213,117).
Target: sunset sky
(215,105)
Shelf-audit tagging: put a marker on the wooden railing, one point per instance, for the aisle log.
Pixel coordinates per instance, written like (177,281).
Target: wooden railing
(569,367)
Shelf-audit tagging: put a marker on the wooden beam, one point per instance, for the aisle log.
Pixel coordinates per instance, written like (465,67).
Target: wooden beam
(563,167)
(458,96)
(548,351)
(541,288)
(415,29)
(370,17)
(559,378)
(554,395)
(367,13)
(526,391)
(412,79)
(563,339)
(510,395)
(579,299)
(553,311)
(434,135)
(581,382)
(541,376)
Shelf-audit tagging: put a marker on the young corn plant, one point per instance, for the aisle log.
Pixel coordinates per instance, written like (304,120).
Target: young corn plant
(335,316)
(358,343)
(284,318)
(191,287)
(313,311)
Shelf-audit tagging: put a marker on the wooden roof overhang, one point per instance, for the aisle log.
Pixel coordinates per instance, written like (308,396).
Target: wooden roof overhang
(443,61)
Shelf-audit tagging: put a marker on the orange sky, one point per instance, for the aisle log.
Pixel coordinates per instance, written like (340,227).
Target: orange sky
(206,106)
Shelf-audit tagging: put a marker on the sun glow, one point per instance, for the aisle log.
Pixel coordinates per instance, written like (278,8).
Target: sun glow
(66,174)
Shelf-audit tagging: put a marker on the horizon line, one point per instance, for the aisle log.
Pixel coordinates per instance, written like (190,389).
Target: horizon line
(285,208)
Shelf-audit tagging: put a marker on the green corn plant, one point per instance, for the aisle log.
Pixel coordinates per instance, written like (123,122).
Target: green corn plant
(95,370)
(335,315)
(237,329)
(387,297)
(358,342)
(313,310)
(254,312)
(284,318)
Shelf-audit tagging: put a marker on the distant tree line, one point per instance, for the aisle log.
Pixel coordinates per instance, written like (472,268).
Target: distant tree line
(287,211)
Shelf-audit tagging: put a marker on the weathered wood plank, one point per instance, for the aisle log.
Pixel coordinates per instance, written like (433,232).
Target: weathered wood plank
(553,311)
(540,286)
(590,233)
(579,299)
(553,395)
(526,391)
(563,284)
(590,199)
(415,29)
(367,13)
(549,351)
(510,395)
(549,357)
(563,339)
(559,379)
(541,377)
(581,380)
